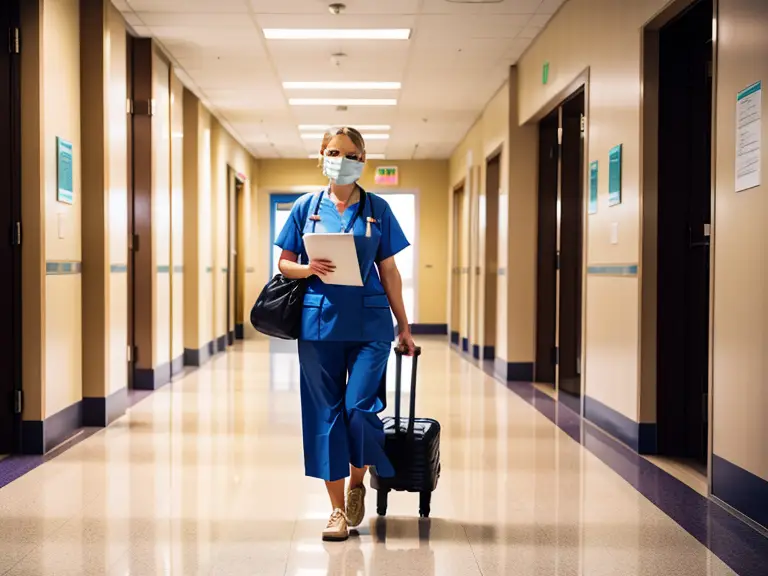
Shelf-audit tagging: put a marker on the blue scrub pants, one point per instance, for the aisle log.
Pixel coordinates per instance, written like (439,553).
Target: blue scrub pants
(343,389)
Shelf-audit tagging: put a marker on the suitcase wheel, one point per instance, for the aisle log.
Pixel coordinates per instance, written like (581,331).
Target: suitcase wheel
(381,502)
(425,501)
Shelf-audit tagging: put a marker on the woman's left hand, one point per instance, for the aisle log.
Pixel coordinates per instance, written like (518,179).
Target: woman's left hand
(405,342)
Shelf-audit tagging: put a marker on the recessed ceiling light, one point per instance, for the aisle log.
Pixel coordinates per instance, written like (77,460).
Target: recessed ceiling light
(342,85)
(310,127)
(320,135)
(337,33)
(342,101)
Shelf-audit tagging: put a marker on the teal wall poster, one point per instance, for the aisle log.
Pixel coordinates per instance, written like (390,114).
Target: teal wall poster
(64,176)
(614,176)
(593,187)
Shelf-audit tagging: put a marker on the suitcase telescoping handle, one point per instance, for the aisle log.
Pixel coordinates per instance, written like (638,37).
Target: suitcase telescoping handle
(399,353)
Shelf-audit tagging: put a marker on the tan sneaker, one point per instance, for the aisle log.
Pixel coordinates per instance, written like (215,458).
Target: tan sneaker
(337,529)
(356,506)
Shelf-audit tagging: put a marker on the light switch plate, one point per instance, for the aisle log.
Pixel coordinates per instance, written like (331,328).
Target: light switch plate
(614,233)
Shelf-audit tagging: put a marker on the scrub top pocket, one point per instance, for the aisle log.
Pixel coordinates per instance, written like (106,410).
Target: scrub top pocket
(377,318)
(311,316)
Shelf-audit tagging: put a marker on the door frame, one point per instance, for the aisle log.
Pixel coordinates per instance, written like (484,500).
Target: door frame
(580,81)
(489,274)
(276,198)
(416,193)
(454,315)
(13,391)
(647,270)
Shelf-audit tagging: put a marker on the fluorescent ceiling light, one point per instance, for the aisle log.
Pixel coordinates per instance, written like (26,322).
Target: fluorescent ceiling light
(342,101)
(367,156)
(374,127)
(342,85)
(337,33)
(319,136)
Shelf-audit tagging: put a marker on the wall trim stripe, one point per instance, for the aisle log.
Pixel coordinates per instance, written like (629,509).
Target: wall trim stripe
(42,436)
(745,492)
(118,268)
(419,329)
(640,436)
(612,269)
(101,412)
(63,267)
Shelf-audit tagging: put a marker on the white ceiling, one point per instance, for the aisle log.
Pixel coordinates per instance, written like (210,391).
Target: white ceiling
(457,57)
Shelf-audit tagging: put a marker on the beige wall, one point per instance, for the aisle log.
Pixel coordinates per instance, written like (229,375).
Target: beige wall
(489,135)
(177,218)
(613,58)
(104,199)
(161,211)
(225,152)
(740,397)
(612,62)
(427,178)
(61,95)
(51,307)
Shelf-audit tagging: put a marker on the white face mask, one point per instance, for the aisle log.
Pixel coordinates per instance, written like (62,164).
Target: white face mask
(342,170)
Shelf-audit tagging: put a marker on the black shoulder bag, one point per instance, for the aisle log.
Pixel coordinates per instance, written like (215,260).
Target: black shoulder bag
(279,307)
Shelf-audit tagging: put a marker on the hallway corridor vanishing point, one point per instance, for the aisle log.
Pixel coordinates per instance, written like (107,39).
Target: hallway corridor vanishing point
(205,476)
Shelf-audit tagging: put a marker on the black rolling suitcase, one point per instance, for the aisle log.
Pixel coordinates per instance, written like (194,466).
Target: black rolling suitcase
(413,448)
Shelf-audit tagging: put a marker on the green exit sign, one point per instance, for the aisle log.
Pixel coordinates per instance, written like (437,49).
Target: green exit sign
(386,175)
(545,73)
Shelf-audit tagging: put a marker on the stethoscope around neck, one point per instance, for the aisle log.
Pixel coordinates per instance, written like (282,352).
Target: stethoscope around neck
(360,209)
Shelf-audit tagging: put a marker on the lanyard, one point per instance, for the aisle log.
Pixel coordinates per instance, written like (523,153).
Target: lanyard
(351,223)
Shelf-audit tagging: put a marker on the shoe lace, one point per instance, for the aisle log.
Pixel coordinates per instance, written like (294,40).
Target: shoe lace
(336,517)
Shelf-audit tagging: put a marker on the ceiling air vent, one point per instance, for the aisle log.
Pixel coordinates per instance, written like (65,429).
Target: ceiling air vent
(341,108)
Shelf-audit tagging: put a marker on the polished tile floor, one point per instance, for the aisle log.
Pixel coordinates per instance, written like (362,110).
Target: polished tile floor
(205,477)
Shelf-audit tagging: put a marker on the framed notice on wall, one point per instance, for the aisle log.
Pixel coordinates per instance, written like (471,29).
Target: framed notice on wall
(593,187)
(614,176)
(749,129)
(65,190)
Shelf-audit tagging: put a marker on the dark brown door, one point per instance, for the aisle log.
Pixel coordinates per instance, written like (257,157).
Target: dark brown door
(570,268)
(546,281)
(492,184)
(685,139)
(10,233)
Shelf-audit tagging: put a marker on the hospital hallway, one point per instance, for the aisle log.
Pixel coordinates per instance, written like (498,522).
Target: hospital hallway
(205,476)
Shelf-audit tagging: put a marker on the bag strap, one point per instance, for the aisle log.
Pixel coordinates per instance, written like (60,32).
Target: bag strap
(399,386)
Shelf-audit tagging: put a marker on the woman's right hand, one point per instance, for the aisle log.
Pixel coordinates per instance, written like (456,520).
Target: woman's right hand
(321,267)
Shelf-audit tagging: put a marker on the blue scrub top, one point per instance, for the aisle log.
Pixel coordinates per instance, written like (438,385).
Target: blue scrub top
(346,313)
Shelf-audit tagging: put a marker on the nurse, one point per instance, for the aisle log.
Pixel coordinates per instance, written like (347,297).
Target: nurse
(347,332)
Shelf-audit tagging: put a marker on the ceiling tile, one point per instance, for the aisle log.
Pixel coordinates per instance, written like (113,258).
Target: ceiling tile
(456,59)
(550,6)
(196,20)
(187,6)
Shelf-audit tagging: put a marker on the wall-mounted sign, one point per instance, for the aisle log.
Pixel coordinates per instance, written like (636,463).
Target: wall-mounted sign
(64,179)
(614,176)
(593,187)
(545,73)
(749,127)
(386,175)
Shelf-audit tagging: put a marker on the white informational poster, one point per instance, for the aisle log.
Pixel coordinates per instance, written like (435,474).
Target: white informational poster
(749,126)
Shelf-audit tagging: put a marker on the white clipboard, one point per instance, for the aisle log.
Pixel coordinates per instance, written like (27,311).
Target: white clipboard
(340,249)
